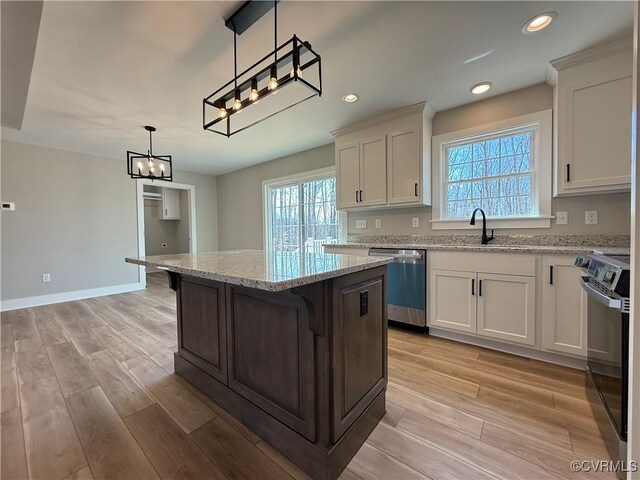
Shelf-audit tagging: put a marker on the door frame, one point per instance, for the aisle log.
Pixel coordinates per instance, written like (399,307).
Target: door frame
(191,208)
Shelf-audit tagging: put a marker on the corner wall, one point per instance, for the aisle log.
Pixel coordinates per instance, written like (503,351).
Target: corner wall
(75,218)
(240,195)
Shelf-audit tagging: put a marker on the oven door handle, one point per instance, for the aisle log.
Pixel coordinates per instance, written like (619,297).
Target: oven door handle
(594,293)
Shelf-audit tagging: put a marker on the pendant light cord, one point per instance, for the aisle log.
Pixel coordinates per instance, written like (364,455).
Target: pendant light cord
(275,29)
(235,58)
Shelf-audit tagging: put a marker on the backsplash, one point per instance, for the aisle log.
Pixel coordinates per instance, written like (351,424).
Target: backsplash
(504,239)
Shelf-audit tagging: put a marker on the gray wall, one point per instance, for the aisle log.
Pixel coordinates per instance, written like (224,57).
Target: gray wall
(613,209)
(75,218)
(240,195)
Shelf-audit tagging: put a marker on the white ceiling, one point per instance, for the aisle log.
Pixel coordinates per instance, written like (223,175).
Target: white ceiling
(102,70)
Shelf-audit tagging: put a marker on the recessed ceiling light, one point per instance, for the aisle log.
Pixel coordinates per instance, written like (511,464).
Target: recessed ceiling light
(350,98)
(481,87)
(540,21)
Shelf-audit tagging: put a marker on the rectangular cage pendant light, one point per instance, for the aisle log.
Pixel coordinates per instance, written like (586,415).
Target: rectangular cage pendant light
(148,165)
(286,77)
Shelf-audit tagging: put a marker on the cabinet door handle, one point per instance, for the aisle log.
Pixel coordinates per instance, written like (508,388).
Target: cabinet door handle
(415,189)
(360,195)
(473,286)
(480,288)
(165,212)
(568,172)
(551,275)
(356,196)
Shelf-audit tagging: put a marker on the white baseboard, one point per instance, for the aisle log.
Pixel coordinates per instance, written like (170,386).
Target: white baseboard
(558,359)
(25,302)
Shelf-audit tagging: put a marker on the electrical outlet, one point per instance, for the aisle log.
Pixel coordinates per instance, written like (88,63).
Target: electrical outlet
(377,223)
(46,277)
(562,218)
(8,206)
(361,224)
(591,217)
(415,222)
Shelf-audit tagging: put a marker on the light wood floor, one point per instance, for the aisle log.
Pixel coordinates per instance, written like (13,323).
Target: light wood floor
(88,392)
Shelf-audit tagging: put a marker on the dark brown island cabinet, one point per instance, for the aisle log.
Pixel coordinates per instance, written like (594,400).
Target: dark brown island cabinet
(304,367)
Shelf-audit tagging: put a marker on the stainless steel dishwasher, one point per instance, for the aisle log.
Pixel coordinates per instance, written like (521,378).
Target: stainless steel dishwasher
(407,285)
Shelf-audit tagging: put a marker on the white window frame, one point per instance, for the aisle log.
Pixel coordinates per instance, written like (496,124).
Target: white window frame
(295,179)
(541,123)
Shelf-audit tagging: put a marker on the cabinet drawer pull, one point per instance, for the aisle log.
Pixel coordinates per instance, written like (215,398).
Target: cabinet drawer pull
(551,275)
(473,286)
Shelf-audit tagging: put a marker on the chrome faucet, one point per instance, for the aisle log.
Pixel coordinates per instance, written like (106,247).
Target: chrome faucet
(485,239)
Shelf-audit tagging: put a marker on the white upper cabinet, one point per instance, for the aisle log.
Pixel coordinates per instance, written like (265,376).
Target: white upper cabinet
(593,120)
(373,179)
(404,166)
(393,158)
(170,204)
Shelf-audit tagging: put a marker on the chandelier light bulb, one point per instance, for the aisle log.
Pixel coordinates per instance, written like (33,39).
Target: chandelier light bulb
(237,104)
(253,96)
(273,83)
(139,167)
(292,72)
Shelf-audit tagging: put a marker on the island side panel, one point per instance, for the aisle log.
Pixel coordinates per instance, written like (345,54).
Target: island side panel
(202,325)
(359,345)
(271,354)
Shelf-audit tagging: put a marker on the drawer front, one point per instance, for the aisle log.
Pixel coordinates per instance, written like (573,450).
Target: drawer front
(481,262)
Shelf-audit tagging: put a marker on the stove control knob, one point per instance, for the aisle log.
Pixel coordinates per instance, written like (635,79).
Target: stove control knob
(581,262)
(608,276)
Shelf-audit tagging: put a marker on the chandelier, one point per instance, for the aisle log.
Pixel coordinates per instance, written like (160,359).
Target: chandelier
(293,63)
(155,167)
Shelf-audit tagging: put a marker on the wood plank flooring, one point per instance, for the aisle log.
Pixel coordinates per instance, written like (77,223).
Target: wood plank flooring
(88,391)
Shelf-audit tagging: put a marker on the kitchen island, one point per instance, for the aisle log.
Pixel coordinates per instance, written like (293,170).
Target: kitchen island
(293,345)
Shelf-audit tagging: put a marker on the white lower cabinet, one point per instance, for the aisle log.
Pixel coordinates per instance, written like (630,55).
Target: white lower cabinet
(564,307)
(507,307)
(452,302)
(494,295)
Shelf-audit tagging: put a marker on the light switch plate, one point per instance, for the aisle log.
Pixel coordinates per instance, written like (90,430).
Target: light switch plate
(361,224)
(415,222)
(46,277)
(591,217)
(562,218)
(377,223)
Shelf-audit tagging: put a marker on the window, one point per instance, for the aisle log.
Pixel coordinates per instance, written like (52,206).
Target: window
(300,212)
(495,174)
(503,168)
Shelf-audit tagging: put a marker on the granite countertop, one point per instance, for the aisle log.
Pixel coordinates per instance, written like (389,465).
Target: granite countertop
(260,269)
(506,243)
(533,249)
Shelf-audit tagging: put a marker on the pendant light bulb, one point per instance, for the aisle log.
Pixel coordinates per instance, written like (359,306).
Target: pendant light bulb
(222,113)
(273,83)
(139,167)
(237,103)
(292,72)
(253,96)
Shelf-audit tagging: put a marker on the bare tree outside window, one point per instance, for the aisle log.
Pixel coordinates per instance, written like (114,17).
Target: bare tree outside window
(303,216)
(495,174)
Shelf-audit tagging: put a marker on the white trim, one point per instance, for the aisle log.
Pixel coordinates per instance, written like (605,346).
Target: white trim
(542,167)
(193,234)
(294,179)
(592,54)
(25,302)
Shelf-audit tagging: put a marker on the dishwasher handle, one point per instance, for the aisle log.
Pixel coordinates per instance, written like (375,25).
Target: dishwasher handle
(400,255)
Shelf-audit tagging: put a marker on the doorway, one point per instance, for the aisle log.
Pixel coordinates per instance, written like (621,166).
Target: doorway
(166,220)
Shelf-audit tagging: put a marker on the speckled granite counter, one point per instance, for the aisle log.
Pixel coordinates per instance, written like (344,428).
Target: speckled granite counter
(259,269)
(534,244)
